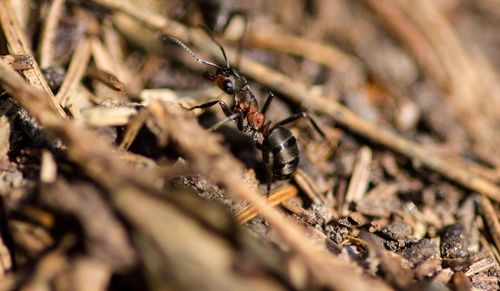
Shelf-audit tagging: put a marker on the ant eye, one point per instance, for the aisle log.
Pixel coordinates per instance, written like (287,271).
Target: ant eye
(228,87)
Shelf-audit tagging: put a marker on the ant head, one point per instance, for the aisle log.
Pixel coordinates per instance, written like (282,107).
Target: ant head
(226,78)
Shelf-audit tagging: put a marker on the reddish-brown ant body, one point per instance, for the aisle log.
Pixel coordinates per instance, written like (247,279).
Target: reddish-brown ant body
(279,147)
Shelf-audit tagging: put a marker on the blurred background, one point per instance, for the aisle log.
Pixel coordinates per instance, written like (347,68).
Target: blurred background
(107,183)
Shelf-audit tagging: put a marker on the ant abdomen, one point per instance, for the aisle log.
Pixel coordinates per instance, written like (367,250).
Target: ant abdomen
(281,153)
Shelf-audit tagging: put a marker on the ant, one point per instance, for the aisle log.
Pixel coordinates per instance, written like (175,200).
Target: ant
(279,147)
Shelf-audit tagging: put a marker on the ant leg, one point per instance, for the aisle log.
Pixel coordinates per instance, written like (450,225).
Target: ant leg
(230,115)
(269,181)
(316,126)
(290,119)
(300,115)
(239,122)
(268,102)
(269,172)
(222,104)
(256,136)
(225,120)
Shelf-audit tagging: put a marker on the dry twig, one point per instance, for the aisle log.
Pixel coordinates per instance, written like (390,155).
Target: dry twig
(413,38)
(49,31)
(19,46)
(276,198)
(360,177)
(281,41)
(491,216)
(76,71)
(18,62)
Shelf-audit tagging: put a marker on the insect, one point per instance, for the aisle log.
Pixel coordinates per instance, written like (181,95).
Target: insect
(279,148)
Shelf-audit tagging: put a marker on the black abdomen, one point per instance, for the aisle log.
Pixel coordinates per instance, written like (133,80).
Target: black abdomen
(282,153)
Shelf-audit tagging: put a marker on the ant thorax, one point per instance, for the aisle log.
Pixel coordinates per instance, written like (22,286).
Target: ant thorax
(246,100)
(239,81)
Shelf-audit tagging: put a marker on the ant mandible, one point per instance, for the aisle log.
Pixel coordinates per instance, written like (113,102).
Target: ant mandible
(280,152)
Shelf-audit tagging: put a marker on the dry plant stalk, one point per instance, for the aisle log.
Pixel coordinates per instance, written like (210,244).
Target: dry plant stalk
(76,71)
(18,62)
(277,197)
(106,78)
(274,39)
(19,46)
(360,177)
(491,216)
(49,31)
(307,185)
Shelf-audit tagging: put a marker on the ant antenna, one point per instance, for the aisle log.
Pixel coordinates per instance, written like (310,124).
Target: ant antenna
(199,60)
(208,32)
